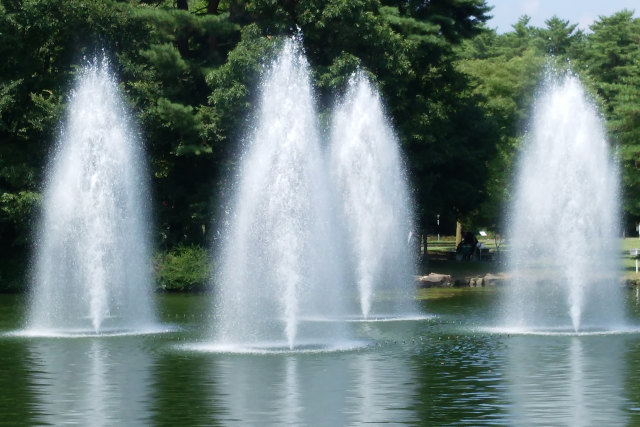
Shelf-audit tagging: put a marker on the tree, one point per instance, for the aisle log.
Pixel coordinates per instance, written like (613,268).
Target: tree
(167,82)
(445,135)
(44,45)
(190,69)
(504,71)
(408,49)
(561,39)
(43,42)
(611,59)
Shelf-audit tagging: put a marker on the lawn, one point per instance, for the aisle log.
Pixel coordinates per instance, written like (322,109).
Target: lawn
(628,261)
(441,254)
(439,261)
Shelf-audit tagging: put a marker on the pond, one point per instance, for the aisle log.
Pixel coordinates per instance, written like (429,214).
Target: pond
(439,370)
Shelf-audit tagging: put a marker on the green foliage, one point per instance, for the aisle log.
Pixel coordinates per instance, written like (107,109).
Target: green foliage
(403,48)
(561,39)
(45,43)
(456,19)
(232,84)
(457,93)
(184,268)
(505,71)
(612,61)
(18,207)
(42,43)
(504,85)
(165,79)
(190,72)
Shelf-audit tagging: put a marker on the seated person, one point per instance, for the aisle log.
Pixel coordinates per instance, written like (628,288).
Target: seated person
(467,247)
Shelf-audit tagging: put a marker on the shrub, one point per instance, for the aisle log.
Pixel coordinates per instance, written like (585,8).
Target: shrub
(184,268)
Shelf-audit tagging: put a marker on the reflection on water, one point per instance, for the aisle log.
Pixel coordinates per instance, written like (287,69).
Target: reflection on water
(325,389)
(459,379)
(16,397)
(439,371)
(90,382)
(382,390)
(566,380)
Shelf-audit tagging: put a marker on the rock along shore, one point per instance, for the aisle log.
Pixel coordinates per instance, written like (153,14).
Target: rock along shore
(437,280)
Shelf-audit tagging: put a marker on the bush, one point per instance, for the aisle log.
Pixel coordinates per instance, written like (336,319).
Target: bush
(183,269)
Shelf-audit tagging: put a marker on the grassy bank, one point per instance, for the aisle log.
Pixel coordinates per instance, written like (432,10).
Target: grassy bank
(439,261)
(181,269)
(189,268)
(628,261)
(442,258)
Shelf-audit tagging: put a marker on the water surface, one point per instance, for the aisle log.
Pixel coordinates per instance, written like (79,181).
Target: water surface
(440,370)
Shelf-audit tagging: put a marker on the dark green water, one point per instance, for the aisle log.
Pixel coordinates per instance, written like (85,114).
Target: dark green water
(436,371)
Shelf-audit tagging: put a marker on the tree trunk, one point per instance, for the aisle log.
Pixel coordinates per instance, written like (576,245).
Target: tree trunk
(458,233)
(425,253)
(212,7)
(182,42)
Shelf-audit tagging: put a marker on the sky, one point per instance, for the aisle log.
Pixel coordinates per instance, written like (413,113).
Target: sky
(582,12)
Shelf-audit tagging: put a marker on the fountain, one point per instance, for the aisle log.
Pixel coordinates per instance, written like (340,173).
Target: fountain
(368,173)
(92,272)
(280,272)
(564,225)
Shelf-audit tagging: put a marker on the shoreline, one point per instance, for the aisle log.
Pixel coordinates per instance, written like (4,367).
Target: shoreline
(440,280)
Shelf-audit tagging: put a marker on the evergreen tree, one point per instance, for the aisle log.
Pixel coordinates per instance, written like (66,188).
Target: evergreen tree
(612,60)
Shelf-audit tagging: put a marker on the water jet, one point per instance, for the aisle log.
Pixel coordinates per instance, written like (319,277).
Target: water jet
(279,260)
(92,264)
(564,219)
(368,174)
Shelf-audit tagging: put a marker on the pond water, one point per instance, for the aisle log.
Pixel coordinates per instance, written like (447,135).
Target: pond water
(439,370)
